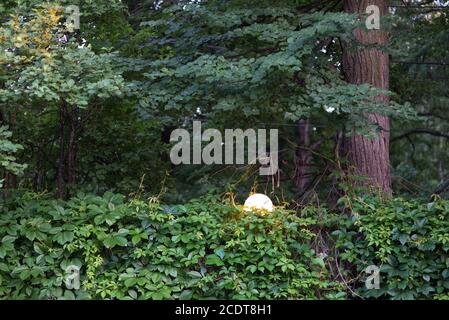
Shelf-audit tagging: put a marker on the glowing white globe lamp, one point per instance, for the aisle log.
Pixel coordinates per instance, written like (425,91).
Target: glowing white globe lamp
(258,202)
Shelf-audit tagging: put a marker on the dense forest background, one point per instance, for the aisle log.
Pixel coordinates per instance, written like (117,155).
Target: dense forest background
(87,112)
(93,109)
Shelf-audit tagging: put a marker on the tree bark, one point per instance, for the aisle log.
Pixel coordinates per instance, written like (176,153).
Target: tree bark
(71,152)
(60,180)
(369,158)
(303,155)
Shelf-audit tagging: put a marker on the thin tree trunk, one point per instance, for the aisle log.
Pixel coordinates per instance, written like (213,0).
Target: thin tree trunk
(3,175)
(302,179)
(10,181)
(37,180)
(369,158)
(71,152)
(60,181)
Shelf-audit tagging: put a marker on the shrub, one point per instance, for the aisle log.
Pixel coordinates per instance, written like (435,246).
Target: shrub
(145,250)
(7,150)
(407,239)
(208,249)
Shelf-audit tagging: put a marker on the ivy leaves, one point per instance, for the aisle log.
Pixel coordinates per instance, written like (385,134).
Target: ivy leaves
(64,237)
(7,244)
(116,239)
(406,239)
(138,250)
(214,260)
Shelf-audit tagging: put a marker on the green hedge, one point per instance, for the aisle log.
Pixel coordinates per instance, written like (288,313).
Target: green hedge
(207,249)
(407,239)
(144,250)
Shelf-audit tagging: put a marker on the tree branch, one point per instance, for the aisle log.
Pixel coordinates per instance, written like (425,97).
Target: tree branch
(421,131)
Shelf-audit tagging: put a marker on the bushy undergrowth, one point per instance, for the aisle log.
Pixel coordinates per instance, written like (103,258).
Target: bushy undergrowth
(207,248)
(144,250)
(407,239)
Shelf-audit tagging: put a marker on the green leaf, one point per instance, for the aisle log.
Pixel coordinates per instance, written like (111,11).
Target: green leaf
(220,252)
(64,237)
(186,295)
(68,295)
(252,268)
(133,294)
(130,282)
(194,274)
(121,241)
(319,261)
(214,260)
(259,238)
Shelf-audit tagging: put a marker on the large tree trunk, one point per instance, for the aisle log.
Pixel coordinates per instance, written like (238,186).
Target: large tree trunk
(369,158)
